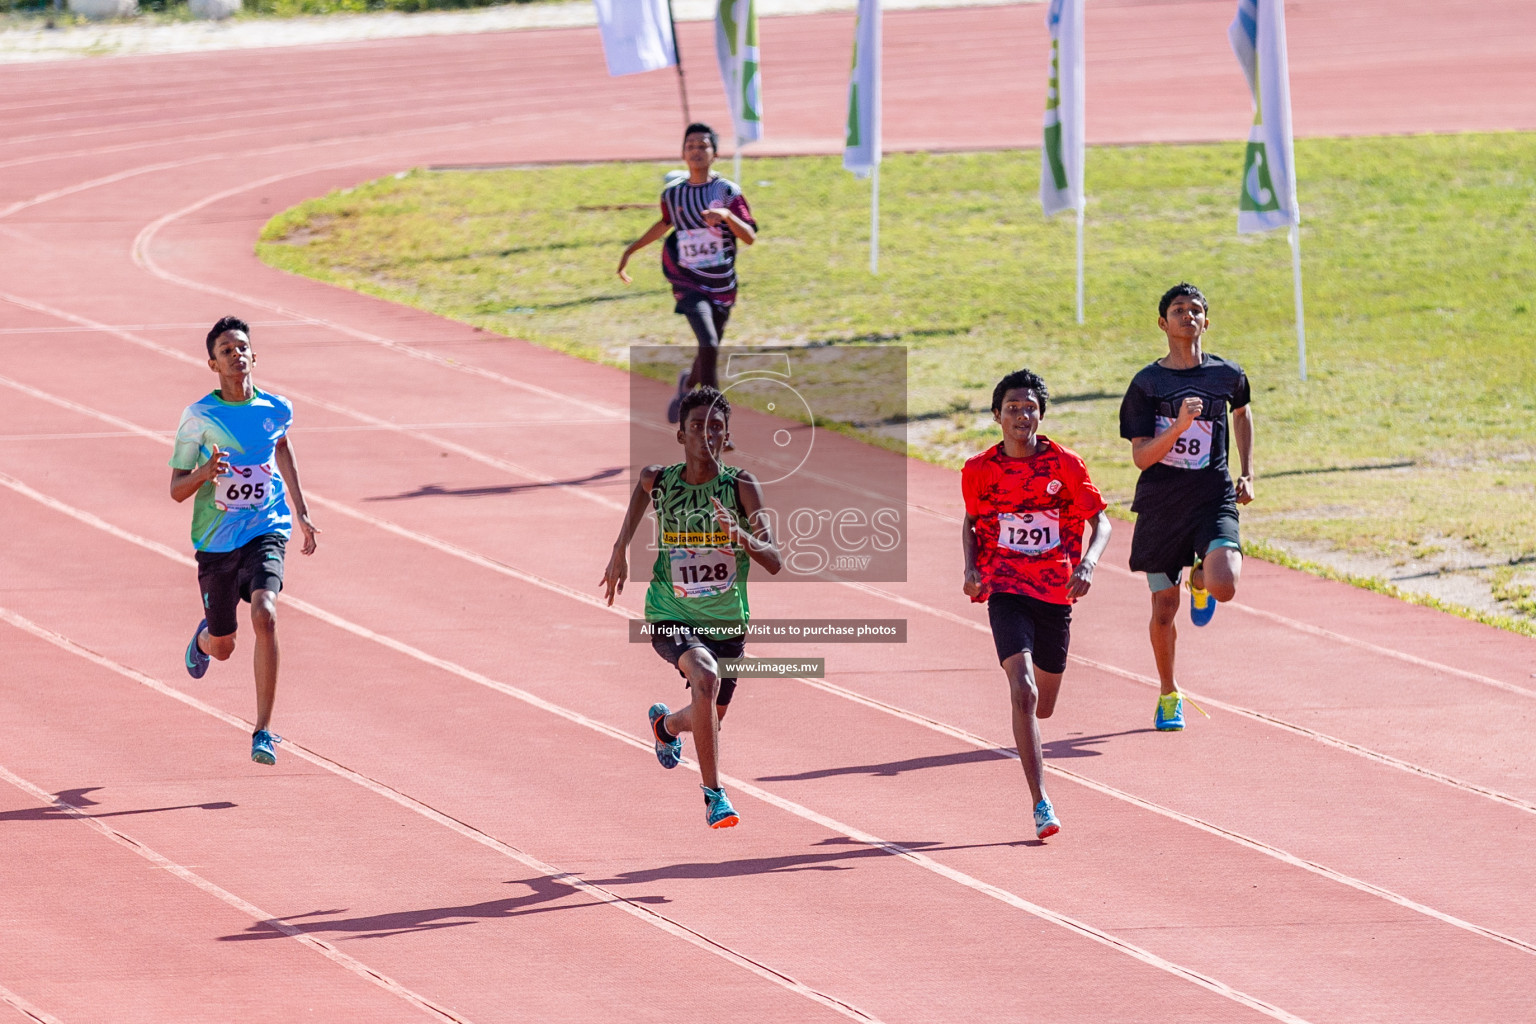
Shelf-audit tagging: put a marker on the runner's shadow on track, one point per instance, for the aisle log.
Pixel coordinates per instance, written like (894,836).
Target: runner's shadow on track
(1072,746)
(828,860)
(77,801)
(544,890)
(1078,746)
(434,491)
(890,768)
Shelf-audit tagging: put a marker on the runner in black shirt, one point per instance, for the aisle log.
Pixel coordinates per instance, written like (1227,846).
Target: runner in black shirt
(1175,416)
(707,216)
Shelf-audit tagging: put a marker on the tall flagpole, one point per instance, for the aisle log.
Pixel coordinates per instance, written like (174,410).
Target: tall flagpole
(1301,321)
(677,52)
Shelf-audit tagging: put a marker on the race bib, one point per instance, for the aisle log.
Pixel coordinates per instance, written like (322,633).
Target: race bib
(1029,533)
(1193,448)
(702,572)
(698,248)
(243,487)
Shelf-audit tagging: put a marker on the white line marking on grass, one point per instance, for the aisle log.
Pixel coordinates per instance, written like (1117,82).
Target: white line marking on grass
(643,913)
(320,946)
(911,856)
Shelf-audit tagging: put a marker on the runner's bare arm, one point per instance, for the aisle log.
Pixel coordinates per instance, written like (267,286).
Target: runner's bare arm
(760,543)
(618,563)
(290,471)
(745,233)
(652,233)
(972,584)
(1242,433)
(1082,576)
(1149,451)
(185,482)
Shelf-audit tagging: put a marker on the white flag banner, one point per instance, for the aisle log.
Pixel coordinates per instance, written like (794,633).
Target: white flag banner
(637,35)
(861,150)
(736,48)
(1061,154)
(1269,169)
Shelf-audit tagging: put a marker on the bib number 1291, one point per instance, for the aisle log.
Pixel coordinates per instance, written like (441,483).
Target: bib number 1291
(1029,533)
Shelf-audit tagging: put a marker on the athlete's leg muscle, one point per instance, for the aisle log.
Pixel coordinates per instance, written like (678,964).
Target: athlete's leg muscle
(1165,609)
(1024,699)
(1223,566)
(1048,684)
(264,624)
(701,717)
(219,648)
(701,317)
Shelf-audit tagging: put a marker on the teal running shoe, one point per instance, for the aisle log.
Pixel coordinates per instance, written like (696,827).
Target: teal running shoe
(196,661)
(1169,716)
(262,743)
(717,808)
(669,754)
(1046,822)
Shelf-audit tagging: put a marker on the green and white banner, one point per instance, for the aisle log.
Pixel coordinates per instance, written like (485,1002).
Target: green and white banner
(1268,197)
(736,48)
(861,150)
(1061,154)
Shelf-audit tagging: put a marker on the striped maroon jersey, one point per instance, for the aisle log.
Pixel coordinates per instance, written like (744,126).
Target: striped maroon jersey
(697,256)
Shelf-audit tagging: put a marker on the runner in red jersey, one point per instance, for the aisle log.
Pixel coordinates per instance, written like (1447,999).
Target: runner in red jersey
(1027,500)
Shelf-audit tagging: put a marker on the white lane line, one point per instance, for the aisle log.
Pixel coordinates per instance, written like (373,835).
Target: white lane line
(968,737)
(320,946)
(576,883)
(1236,709)
(139,327)
(1318,631)
(25,1008)
(474,454)
(1205,826)
(533,700)
(142,257)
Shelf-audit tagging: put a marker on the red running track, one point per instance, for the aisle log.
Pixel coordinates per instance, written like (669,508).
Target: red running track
(466,823)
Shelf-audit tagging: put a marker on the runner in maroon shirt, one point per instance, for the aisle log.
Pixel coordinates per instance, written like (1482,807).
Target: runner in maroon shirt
(707,216)
(1027,500)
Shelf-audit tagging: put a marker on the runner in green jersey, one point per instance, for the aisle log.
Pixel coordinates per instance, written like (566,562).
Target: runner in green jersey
(696,606)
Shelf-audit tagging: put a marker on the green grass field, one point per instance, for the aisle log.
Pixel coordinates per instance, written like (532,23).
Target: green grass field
(1415,432)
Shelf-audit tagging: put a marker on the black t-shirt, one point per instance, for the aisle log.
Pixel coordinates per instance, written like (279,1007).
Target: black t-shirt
(1195,472)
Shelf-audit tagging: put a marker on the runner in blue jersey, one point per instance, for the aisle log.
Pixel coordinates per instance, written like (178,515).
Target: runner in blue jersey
(707,216)
(709,530)
(233,457)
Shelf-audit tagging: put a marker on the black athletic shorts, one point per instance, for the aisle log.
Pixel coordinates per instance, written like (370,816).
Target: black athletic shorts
(672,640)
(228,577)
(1167,544)
(1021,623)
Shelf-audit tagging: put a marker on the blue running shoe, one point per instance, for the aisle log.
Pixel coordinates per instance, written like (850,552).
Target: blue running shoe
(717,808)
(1169,716)
(1201,606)
(262,743)
(667,753)
(196,660)
(1046,822)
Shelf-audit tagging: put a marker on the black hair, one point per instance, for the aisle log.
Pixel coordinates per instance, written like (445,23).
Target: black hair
(1182,288)
(708,398)
(226,323)
(1022,380)
(699,128)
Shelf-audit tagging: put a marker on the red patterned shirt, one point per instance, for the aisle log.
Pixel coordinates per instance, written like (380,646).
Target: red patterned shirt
(1029,515)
